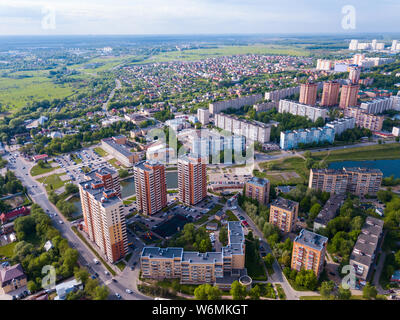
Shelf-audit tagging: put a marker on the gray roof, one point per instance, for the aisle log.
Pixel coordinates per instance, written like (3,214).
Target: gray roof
(167,253)
(330,209)
(118,147)
(9,273)
(100,193)
(261,182)
(197,257)
(311,239)
(284,203)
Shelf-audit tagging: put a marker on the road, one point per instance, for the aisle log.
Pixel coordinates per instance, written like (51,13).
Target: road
(125,280)
(112,93)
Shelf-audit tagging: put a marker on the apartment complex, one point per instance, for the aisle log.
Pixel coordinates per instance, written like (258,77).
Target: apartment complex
(308,93)
(365,120)
(204,116)
(376,106)
(330,94)
(325,65)
(104,216)
(265,106)
(277,95)
(364,253)
(150,186)
(329,211)
(218,268)
(116,147)
(258,189)
(192,179)
(219,106)
(252,130)
(349,95)
(309,252)
(292,139)
(283,214)
(299,109)
(358,181)
(354,74)
(342,124)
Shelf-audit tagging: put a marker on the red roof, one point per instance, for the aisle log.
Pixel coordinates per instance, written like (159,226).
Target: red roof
(40,156)
(22,211)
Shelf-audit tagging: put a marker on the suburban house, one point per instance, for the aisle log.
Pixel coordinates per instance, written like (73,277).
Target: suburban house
(12,278)
(6,217)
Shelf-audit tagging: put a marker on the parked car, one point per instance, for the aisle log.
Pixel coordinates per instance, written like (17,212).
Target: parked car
(118,296)
(129,291)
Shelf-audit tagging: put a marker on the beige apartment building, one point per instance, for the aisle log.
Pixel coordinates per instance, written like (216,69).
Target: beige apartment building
(218,268)
(308,253)
(258,189)
(349,95)
(308,93)
(365,120)
(283,214)
(330,94)
(358,181)
(104,217)
(150,186)
(192,179)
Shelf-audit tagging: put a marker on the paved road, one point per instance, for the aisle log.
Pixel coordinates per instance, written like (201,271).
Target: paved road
(112,93)
(126,279)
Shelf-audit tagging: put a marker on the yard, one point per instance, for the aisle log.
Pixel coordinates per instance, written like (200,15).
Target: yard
(53,182)
(100,152)
(7,250)
(46,168)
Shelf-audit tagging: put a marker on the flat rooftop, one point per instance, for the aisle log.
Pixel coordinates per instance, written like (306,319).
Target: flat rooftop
(311,239)
(284,203)
(118,147)
(100,193)
(162,253)
(260,182)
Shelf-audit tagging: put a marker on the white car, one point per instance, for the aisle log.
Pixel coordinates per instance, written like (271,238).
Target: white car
(129,291)
(60,222)
(106,273)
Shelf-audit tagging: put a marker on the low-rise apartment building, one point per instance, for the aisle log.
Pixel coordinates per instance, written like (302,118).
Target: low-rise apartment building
(364,253)
(376,106)
(309,250)
(116,147)
(299,109)
(341,125)
(292,139)
(329,211)
(195,267)
(363,119)
(283,214)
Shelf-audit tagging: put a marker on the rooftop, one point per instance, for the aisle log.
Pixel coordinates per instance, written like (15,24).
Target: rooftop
(260,182)
(311,239)
(284,203)
(118,147)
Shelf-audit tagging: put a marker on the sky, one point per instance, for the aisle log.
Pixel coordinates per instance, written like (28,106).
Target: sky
(61,17)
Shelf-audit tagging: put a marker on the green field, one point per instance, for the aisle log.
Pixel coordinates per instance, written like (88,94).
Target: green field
(100,152)
(7,250)
(375,152)
(53,182)
(37,170)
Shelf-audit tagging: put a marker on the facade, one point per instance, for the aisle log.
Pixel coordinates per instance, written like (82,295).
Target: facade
(277,95)
(12,278)
(116,147)
(104,217)
(265,106)
(204,116)
(325,65)
(283,214)
(192,179)
(396,131)
(161,153)
(309,252)
(348,97)
(150,186)
(198,268)
(6,217)
(330,94)
(341,125)
(252,130)
(376,106)
(219,106)
(354,74)
(364,253)
(299,109)
(258,189)
(364,119)
(358,181)
(292,139)
(308,93)
(396,101)
(109,177)
(329,211)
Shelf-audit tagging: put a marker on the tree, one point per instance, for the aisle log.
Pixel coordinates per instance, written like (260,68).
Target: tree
(344,294)
(101,293)
(369,291)
(207,292)
(81,275)
(255,293)
(326,289)
(238,291)
(269,260)
(71,188)
(223,236)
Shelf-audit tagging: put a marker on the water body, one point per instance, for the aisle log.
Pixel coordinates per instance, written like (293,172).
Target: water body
(128,188)
(388,167)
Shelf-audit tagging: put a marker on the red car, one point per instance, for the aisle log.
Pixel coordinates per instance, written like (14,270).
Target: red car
(244,223)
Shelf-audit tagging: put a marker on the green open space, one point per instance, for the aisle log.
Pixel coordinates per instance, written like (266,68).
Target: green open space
(100,152)
(53,182)
(38,170)
(254,264)
(7,250)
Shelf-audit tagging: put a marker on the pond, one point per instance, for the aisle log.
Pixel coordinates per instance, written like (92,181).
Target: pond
(388,167)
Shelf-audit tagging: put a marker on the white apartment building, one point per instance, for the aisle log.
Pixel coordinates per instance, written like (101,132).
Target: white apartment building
(341,125)
(298,109)
(378,105)
(277,95)
(396,131)
(204,116)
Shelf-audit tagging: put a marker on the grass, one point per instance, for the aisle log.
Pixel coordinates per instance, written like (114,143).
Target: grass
(231,216)
(7,250)
(113,163)
(253,263)
(281,292)
(37,170)
(111,270)
(53,182)
(121,265)
(100,152)
(375,152)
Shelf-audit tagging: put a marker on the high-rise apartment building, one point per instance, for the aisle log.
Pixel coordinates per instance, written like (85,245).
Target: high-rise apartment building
(104,215)
(192,179)
(204,116)
(349,95)
(309,252)
(150,186)
(358,181)
(330,94)
(354,74)
(108,176)
(258,189)
(283,214)
(308,93)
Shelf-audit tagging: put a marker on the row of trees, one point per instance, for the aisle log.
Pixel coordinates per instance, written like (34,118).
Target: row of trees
(91,288)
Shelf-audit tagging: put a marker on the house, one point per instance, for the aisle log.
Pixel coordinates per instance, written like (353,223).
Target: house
(395,277)
(40,157)
(48,245)
(220,215)
(14,214)
(212,226)
(12,278)
(66,287)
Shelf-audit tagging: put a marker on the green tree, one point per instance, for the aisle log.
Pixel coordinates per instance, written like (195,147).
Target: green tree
(101,293)
(344,294)
(369,291)
(269,260)
(223,236)
(238,291)
(326,289)
(255,293)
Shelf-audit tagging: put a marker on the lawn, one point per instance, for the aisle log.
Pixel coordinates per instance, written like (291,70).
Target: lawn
(231,216)
(281,292)
(53,182)
(121,265)
(100,152)
(253,262)
(7,250)
(375,152)
(288,166)
(37,170)
(113,163)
